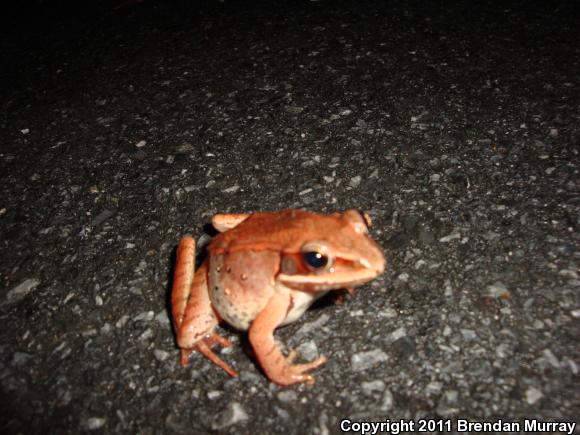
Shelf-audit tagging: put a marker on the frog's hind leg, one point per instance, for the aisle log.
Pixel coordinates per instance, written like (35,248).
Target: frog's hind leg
(203,346)
(193,316)
(182,280)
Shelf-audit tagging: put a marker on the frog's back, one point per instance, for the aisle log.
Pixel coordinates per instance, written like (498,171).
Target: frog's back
(271,231)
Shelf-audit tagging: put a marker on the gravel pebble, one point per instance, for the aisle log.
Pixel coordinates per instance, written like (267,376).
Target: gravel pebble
(232,189)
(162,318)
(468,334)
(287,396)
(20,359)
(146,335)
(371,387)
(355,181)
(398,333)
(533,395)
(21,290)
(234,414)
(450,237)
(308,350)
(122,321)
(362,361)
(95,423)
(308,327)
(145,316)
(160,355)
(498,290)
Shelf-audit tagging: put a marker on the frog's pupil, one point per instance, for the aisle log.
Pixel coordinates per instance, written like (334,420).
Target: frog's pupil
(315,259)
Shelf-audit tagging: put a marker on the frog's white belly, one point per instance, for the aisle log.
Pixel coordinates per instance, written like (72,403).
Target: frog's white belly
(301,301)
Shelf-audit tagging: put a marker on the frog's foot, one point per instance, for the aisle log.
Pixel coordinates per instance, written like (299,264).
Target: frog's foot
(204,346)
(301,370)
(287,373)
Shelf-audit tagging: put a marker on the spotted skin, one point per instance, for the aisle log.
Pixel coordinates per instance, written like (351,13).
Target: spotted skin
(258,277)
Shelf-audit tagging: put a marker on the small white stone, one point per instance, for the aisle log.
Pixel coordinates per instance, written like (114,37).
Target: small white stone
(449,237)
(398,333)
(388,401)
(287,396)
(140,144)
(144,316)
(365,360)
(21,290)
(232,189)
(533,395)
(403,277)
(160,355)
(233,414)
(146,335)
(355,181)
(94,423)
(162,318)
(122,321)
(371,387)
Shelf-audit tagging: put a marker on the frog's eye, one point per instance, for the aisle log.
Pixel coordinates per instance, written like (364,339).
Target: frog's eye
(316,257)
(315,260)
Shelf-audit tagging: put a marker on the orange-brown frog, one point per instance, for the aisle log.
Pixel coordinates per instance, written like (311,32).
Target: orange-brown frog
(262,271)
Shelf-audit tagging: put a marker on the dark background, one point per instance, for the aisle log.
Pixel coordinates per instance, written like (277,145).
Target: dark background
(454,124)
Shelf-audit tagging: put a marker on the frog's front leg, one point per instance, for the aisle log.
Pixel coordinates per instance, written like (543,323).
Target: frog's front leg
(278,368)
(193,316)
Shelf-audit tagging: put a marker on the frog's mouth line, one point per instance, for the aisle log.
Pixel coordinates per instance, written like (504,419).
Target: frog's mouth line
(328,281)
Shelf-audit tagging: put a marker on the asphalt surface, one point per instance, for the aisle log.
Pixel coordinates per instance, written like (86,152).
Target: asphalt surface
(455,126)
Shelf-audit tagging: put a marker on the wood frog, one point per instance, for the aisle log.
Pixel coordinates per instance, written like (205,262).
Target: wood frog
(262,271)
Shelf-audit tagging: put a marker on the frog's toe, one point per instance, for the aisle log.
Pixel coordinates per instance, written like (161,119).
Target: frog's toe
(298,373)
(214,339)
(204,346)
(304,367)
(184,358)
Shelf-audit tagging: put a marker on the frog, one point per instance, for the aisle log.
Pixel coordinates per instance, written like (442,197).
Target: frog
(263,270)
